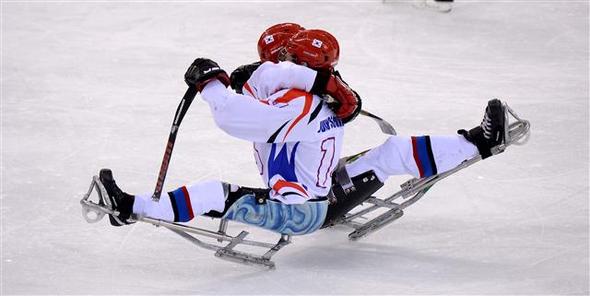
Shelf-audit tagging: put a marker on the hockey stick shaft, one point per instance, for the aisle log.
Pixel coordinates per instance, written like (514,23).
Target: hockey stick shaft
(185,103)
(385,126)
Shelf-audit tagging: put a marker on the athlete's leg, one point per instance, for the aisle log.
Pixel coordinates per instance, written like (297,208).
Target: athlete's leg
(420,157)
(184,203)
(219,200)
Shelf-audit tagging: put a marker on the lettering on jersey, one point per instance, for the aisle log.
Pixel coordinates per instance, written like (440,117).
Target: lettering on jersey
(329,123)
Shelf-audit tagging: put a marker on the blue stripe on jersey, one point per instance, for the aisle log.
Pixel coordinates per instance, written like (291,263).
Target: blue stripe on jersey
(423,146)
(181,206)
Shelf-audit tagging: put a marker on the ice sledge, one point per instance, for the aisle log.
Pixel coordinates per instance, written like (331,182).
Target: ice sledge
(221,243)
(516,133)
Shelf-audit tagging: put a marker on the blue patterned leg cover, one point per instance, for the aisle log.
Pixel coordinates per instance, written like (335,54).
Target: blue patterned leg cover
(275,216)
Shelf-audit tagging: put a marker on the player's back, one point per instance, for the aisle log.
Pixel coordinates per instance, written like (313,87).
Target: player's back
(304,149)
(297,138)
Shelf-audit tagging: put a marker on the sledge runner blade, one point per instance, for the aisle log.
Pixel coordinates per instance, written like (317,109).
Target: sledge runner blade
(376,224)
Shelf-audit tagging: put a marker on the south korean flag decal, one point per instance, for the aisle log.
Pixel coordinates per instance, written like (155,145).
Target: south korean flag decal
(316,43)
(268,39)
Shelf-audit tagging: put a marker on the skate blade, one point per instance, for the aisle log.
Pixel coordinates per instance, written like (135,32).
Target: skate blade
(244,258)
(376,224)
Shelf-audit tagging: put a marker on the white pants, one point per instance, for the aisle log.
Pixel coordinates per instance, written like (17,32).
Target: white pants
(416,156)
(184,203)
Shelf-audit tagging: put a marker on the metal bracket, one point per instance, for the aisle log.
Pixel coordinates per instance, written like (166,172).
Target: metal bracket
(88,207)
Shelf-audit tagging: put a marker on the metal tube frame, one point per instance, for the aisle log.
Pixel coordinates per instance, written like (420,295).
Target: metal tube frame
(226,252)
(516,133)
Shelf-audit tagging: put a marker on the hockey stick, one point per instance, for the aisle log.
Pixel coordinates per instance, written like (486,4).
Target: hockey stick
(186,101)
(385,126)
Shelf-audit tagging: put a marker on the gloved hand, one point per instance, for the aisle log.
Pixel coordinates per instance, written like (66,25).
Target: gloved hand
(349,102)
(346,102)
(203,71)
(241,74)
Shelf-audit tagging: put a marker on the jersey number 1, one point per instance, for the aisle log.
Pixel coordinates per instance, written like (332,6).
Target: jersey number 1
(326,163)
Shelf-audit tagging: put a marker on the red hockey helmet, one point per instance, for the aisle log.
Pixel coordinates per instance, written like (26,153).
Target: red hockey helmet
(273,40)
(316,49)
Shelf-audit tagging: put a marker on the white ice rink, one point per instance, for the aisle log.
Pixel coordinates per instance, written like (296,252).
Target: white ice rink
(95,84)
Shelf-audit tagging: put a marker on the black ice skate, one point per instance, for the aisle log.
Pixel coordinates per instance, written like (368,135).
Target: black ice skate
(491,132)
(121,202)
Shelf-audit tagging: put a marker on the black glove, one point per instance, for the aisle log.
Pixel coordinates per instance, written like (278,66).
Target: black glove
(240,75)
(203,71)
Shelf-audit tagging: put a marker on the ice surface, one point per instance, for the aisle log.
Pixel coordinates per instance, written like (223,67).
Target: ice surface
(87,85)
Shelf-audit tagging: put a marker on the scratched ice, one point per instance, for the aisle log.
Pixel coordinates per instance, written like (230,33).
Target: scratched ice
(87,85)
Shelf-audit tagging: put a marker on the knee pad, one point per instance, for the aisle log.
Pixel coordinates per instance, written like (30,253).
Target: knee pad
(347,193)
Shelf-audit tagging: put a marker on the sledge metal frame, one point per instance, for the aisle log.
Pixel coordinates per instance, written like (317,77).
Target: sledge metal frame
(190,233)
(516,133)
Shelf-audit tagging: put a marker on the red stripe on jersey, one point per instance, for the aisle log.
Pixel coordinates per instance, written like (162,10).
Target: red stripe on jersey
(282,184)
(187,200)
(249,89)
(291,95)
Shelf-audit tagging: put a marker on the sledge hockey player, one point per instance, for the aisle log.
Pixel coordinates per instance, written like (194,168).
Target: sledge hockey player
(297,142)
(366,173)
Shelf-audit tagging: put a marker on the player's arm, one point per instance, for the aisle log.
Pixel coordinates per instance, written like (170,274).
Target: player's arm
(289,118)
(262,80)
(271,77)
(246,118)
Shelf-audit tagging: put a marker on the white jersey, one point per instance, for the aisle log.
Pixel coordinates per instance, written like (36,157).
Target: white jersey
(297,138)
